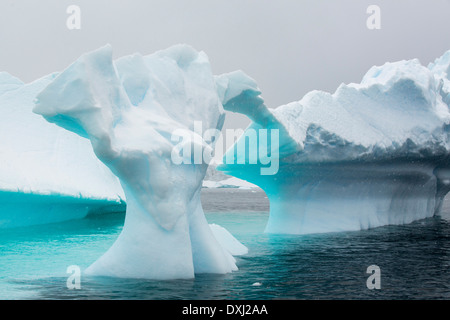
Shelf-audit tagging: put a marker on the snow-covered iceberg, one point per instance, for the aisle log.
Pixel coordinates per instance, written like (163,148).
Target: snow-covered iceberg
(370,154)
(47,174)
(129,109)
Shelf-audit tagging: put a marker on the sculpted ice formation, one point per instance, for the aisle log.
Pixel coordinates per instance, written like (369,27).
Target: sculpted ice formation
(47,174)
(370,154)
(128,109)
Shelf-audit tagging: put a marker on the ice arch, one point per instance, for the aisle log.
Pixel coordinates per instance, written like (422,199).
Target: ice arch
(128,109)
(370,154)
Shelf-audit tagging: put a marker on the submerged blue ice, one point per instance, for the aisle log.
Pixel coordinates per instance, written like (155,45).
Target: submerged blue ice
(47,174)
(371,154)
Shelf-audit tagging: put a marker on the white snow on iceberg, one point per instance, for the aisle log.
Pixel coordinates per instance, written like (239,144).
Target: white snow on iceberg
(226,239)
(231,182)
(47,174)
(370,154)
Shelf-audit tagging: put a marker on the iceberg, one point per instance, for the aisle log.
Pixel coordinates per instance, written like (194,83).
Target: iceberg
(230,243)
(47,174)
(217,179)
(129,109)
(372,153)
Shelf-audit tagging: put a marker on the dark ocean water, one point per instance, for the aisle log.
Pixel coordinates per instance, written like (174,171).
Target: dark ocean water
(414,259)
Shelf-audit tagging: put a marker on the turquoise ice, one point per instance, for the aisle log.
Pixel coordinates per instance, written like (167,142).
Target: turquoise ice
(370,154)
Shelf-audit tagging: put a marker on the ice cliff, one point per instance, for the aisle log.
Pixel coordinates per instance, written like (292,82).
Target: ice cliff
(370,154)
(47,174)
(129,109)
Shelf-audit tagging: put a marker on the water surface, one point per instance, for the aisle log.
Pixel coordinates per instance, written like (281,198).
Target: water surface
(414,259)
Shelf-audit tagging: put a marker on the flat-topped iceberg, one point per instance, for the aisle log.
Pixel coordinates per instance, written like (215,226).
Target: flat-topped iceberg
(129,109)
(370,154)
(47,174)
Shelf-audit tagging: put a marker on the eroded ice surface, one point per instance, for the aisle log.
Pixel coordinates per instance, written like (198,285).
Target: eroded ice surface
(129,109)
(370,154)
(47,174)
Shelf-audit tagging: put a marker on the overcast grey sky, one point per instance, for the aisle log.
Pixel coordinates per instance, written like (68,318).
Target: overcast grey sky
(288,46)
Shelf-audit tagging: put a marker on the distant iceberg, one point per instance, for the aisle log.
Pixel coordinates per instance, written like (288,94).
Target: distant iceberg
(47,174)
(370,154)
(231,182)
(217,179)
